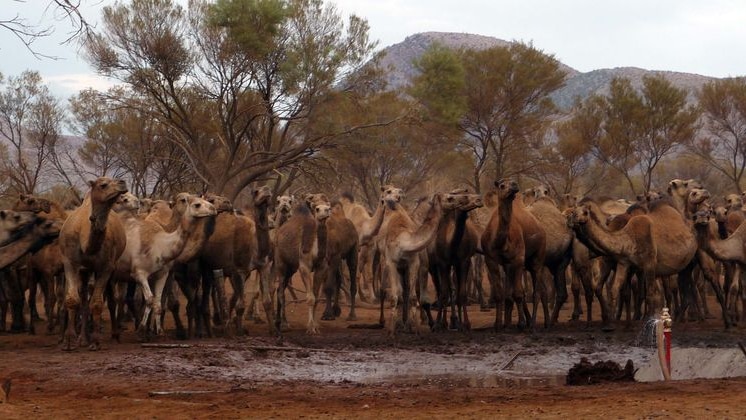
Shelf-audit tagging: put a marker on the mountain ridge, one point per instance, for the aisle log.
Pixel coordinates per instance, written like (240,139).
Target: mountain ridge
(399,57)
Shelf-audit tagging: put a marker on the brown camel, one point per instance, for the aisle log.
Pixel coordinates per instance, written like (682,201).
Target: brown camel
(45,266)
(731,249)
(234,248)
(23,233)
(559,240)
(92,240)
(692,291)
(513,240)
(449,256)
(653,245)
(300,246)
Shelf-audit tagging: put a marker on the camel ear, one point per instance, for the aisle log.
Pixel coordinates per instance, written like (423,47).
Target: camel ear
(3,214)
(22,196)
(91,183)
(171,204)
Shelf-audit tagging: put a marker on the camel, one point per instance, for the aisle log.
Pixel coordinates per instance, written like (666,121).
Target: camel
(731,249)
(234,248)
(185,271)
(559,240)
(282,210)
(92,240)
(151,251)
(455,243)
(680,192)
(654,245)
(367,227)
(22,232)
(300,246)
(513,240)
(45,265)
(401,242)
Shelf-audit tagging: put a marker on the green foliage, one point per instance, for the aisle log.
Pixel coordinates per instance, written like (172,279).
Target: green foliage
(251,24)
(440,85)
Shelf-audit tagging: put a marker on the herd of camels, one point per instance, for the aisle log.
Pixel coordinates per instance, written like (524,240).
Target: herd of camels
(137,255)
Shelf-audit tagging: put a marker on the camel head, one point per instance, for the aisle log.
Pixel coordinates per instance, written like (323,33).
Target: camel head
(461,201)
(107,190)
(198,207)
(321,211)
(145,205)
(720,213)
(221,203)
(391,196)
(285,203)
(702,218)
(541,191)
(697,196)
(261,195)
(734,201)
(13,221)
(506,189)
(49,229)
(127,202)
(490,199)
(32,204)
(580,215)
(680,187)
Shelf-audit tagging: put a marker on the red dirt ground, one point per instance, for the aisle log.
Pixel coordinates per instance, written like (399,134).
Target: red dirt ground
(115,383)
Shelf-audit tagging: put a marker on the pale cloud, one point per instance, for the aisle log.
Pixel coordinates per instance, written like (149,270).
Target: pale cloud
(69,84)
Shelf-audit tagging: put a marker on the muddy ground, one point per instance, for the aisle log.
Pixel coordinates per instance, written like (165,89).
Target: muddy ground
(364,373)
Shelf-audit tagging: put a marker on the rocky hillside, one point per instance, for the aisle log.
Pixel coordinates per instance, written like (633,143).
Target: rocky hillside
(399,58)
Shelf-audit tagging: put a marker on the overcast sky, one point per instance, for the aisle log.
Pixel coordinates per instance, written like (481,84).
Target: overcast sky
(693,36)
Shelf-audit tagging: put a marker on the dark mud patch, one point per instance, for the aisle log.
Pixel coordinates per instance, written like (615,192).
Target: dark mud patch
(587,373)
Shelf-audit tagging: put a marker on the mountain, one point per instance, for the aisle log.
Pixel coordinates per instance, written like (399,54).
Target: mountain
(399,58)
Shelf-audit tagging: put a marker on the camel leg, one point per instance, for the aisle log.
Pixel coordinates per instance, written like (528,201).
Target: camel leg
(620,279)
(142,279)
(462,269)
(161,278)
(330,285)
(265,279)
(282,280)
(515,278)
(96,304)
(575,287)
(111,293)
(709,272)
(440,322)
(3,303)
(352,268)
(311,285)
(497,290)
(171,298)
(560,291)
(72,303)
(32,282)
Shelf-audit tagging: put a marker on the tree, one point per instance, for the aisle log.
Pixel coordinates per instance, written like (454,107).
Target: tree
(124,143)
(723,145)
(28,32)
(504,98)
(238,83)
(639,129)
(30,119)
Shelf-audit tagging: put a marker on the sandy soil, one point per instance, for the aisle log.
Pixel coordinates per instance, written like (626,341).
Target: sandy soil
(364,373)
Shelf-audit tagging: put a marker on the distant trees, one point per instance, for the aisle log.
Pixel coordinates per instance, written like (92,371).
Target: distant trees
(240,84)
(30,123)
(723,146)
(497,98)
(631,131)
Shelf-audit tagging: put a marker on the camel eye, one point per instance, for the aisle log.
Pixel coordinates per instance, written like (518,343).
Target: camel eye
(198,205)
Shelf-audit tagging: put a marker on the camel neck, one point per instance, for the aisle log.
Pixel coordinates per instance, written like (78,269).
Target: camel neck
(261,218)
(321,240)
(608,243)
(12,252)
(98,219)
(505,216)
(460,229)
(201,232)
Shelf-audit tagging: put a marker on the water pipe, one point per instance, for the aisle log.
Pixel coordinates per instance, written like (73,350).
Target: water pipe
(663,329)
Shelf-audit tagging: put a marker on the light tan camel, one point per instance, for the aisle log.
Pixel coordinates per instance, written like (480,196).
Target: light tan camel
(513,240)
(401,242)
(367,227)
(92,240)
(151,251)
(282,210)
